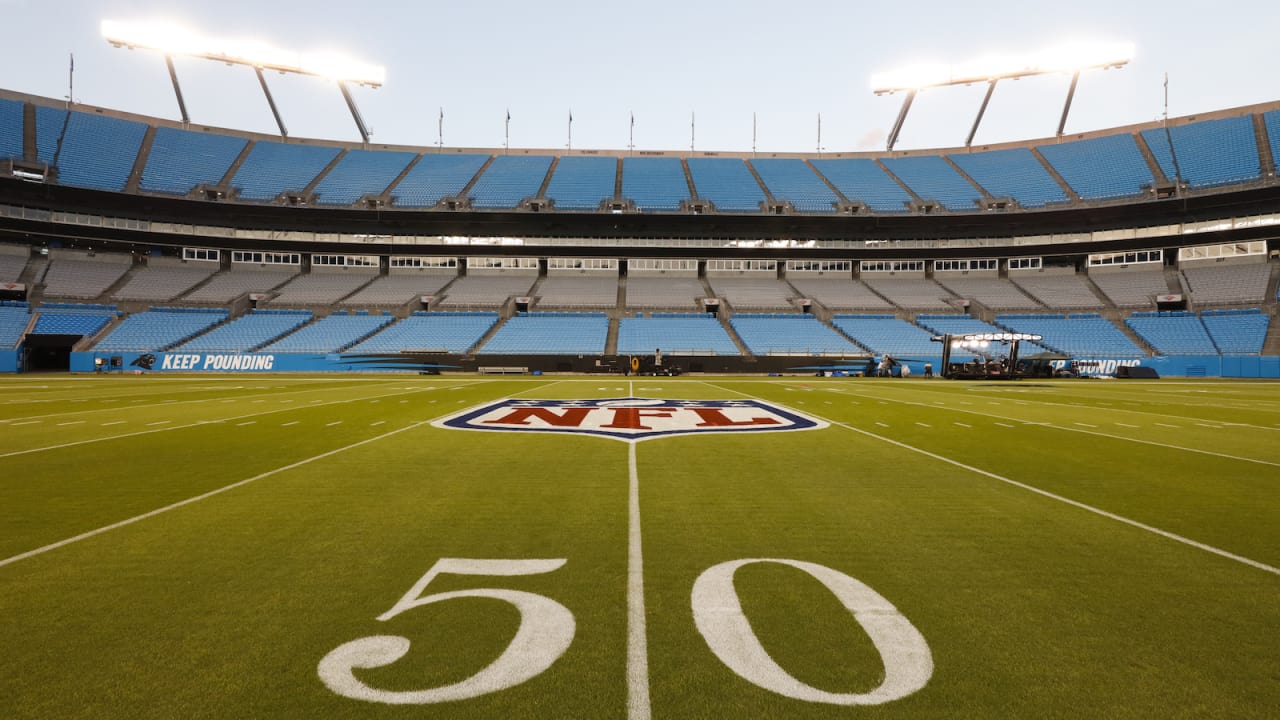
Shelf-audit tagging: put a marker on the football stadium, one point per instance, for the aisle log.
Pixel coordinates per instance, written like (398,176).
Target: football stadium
(311,427)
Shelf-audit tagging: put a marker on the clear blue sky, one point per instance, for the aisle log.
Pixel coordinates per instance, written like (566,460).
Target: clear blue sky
(663,59)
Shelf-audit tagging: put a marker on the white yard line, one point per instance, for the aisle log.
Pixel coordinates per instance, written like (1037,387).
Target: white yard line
(1083,431)
(217,491)
(205,496)
(73,422)
(638,707)
(295,422)
(181,427)
(1052,496)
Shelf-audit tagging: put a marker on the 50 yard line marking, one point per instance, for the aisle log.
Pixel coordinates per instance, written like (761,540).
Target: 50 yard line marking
(638,707)
(1044,493)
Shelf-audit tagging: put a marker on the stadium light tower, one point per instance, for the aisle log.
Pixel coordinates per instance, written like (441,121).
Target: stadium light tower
(174,39)
(1072,59)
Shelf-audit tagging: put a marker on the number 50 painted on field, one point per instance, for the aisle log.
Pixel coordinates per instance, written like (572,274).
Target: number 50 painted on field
(547,628)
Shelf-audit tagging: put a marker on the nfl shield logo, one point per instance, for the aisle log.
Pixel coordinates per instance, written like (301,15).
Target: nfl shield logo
(631,419)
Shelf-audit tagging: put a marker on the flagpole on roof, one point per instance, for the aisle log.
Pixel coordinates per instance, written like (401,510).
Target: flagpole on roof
(753,133)
(440,130)
(570,144)
(506,135)
(631,138)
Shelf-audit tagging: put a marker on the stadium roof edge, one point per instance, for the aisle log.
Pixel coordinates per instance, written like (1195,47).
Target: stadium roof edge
(562,152)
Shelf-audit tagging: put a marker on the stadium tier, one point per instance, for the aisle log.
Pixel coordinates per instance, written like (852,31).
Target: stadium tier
(664,292)
(13,323)
(1059,292)
(839,293)
(72,318)
(1228,284)
(674,334)
(753,293)
(778,334)
(13,260)
(99,151)
(397,289)
(911,293)
(323,288)
(549,333)
(1237,332)
(227,286)
(441,332)
(487,290)
(561,291)
(1132,289)
(164,279)
(995,293)
(83,275)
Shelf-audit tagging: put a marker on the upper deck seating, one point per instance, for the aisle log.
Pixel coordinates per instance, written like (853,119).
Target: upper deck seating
(931,178)
(792,180)
(96,151)
(487,290)
(436,177)
(680,292)
(1059,292)
(180,160)
(574,291)
(840,293)
(510,179)
(727,183)
(76,275)
(1228,284)
(911,293)
(753,293)
(398,289)
(1210,153)
(1133,288)
(654,183)
(862,181)
(1013,173)
(272,168)
(227,286)
(995,293)
(360,173)
(323,287)
(582,183)
(164,279)
(1102,168)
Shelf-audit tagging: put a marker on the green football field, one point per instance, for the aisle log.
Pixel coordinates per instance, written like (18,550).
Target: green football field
(281,546)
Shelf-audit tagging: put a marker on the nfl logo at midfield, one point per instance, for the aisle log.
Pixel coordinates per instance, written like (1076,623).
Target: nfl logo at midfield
(631,419)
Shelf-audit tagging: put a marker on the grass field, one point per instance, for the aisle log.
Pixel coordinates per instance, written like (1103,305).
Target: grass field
(223,547)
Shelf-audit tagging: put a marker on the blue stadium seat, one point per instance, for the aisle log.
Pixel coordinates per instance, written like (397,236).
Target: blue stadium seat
(862,181)
(436,177)
(931,178)
(792,180)
(654,183)
(69,323)
(331,334)
(675,334)
(451,332)
(1237,332)
(1272,122)
(582,183)
(1014,173)
(727,183)
(247,332)
(360,173)
(1210,153)
(779,334)
(1101,168)
(159,329)
(550,333)
(510,179)
(11,128)
(97,151)
(1083,336)
(273,168)
(182,159)
(13,321)
(887,335)
(1179,333)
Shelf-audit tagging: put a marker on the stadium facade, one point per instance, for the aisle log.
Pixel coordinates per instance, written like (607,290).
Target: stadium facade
(135,243)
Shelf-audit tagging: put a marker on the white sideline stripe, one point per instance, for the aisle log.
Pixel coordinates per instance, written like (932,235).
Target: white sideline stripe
(638,707)
(176,427)
(205,496)
(1053,496)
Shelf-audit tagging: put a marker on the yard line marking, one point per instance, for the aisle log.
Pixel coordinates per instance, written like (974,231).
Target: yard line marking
(1085,425)
(180,427)
(376,424)
(1053,496)
(29,422)
(73,422)
(250,422)
(205,496)
(159,422)
(1166,425)
(1127,425)
(335,422)
(294,422)
(881,424)
(963,425)
(924,424)
(638,707)
(114,422)
(1004,424)
(1208,425)
(1065,428)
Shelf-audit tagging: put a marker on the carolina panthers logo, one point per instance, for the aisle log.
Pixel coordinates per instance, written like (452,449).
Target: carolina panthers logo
(631,419)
